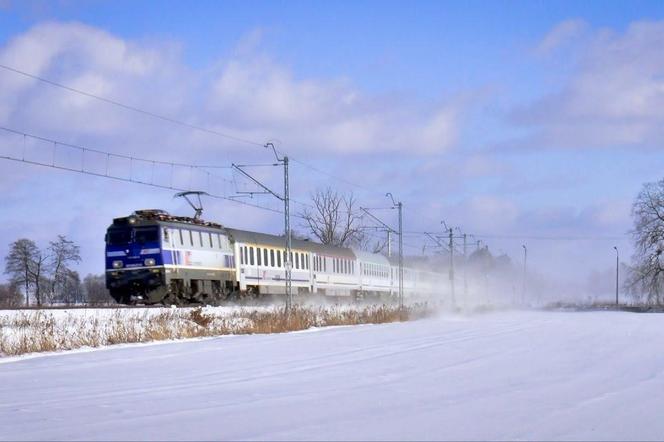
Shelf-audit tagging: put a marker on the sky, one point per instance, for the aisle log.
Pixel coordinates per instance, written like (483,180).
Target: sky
(522,123)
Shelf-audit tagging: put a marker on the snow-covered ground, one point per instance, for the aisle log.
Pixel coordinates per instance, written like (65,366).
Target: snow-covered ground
(509,375)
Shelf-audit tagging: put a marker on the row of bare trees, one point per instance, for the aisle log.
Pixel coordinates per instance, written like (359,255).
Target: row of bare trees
(46,276)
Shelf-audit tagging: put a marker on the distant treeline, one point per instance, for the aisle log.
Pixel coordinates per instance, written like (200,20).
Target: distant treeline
(38,277)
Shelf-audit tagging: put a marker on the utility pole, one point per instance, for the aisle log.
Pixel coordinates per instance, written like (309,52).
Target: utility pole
(465,270)
(288,265)
(389,243)
(390,230)
(289,242)
(399,206)
(525,260)
(617,271)
(451,246)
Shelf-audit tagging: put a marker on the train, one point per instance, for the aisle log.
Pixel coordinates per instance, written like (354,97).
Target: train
(153,257)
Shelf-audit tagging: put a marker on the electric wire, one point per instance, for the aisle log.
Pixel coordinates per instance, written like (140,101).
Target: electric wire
(131,108)
(173,121)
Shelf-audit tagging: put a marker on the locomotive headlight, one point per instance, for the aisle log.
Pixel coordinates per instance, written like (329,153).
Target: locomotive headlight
(117,264)
(149,262)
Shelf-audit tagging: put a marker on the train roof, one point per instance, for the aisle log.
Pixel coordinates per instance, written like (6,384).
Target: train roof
(372,258)
(278,241)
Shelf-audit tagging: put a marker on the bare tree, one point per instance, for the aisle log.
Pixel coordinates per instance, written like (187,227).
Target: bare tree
(10,295)
(20,263)
(647,274)
(62,252)
(37,275)
(370,243)
(95,291)
(71,289)
(334,219)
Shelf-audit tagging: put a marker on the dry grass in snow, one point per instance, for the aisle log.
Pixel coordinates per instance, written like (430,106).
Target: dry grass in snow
(42,331)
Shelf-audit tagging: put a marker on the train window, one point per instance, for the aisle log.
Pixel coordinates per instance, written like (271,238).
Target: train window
(118,237)
(283,256)
(210,236)
(271,258)
(241,255)
(265,261)
(297,260)
(306,261)
(146,235)
(191,238)
(251,255)
(278,258)
(219,240)
(167,236)
(258,256)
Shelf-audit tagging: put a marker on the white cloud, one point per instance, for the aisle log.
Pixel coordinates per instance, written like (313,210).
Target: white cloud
(249,95)
(561,34)
(613,98)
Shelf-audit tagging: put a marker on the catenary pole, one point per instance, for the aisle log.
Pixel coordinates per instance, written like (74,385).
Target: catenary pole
(288,260)
(389,243)
(289,253)
(400,256)
(525,261)
(451,245)
(465,269)
(617,271)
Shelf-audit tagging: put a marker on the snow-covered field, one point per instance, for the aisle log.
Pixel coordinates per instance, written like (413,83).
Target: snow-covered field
(508,375)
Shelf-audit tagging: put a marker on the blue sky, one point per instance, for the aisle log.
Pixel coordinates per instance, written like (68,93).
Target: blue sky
(505,118)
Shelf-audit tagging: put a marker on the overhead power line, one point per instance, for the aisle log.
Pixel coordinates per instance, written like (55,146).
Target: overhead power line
(131,108)
(86,169)
(173,121)
(538,237)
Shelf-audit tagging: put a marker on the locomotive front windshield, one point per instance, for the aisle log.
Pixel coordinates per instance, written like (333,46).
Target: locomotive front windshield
(118,237)
(141,235)
(146,235)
